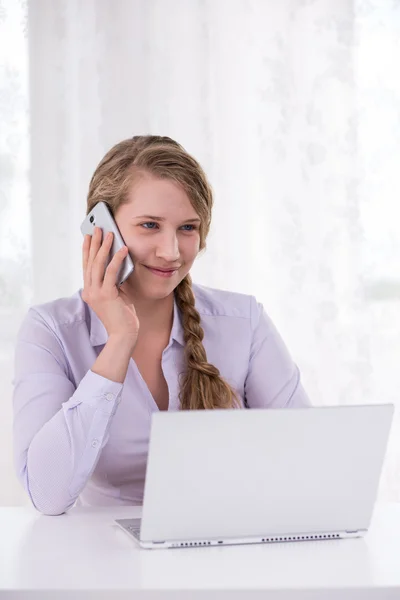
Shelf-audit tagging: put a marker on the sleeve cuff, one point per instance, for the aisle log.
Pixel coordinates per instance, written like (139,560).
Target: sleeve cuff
(95,388)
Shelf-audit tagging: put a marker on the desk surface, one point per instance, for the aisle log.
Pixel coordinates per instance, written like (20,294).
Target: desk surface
(81,553)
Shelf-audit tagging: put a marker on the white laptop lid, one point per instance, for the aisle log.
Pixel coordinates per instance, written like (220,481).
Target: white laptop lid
(238,473)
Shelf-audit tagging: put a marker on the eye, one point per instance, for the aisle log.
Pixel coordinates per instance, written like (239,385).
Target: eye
(149,223)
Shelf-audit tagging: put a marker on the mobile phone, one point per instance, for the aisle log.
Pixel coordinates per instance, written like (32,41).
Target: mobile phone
(100,216)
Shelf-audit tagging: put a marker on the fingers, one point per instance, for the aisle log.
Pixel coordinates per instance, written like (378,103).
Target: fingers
(110,277)
(100,261)
(91,245)
(89,254)
(94,260)
(85,256)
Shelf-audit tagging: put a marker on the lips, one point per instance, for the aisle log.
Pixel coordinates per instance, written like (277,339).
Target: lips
(162,270)
(160,273)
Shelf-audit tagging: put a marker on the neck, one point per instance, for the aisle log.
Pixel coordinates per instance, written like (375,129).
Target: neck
(154,315)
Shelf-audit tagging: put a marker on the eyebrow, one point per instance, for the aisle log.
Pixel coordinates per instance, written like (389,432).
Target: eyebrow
(153,218)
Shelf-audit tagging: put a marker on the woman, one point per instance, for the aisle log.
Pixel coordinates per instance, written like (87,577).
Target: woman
(90,369)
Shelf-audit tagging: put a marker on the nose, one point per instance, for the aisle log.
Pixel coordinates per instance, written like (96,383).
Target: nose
(168,248)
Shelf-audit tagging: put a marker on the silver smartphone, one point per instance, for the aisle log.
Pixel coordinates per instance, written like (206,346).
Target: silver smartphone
(100,216)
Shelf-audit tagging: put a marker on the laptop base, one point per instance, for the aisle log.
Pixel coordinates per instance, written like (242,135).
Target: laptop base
(132,527)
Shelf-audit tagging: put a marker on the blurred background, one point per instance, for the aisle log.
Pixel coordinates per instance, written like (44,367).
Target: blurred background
(293,109)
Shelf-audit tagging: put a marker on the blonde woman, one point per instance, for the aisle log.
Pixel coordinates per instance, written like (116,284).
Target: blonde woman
(90,369)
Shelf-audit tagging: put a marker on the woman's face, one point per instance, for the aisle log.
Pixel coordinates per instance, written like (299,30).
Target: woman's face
(161,230)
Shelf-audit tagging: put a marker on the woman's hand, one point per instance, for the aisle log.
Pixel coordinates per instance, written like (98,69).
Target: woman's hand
(100,291)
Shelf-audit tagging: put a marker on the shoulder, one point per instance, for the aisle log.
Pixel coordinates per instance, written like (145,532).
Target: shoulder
(47,331)
(216,302)
(61,312)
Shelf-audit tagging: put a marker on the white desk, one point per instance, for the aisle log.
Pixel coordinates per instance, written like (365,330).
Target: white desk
(83,555)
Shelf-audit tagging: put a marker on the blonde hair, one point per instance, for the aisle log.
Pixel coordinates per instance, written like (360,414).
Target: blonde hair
(201,386)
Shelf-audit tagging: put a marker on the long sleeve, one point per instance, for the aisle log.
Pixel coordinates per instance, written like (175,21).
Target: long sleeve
(273,379)
(59,429)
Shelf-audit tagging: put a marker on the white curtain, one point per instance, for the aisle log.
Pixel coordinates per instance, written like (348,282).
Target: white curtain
(292,108)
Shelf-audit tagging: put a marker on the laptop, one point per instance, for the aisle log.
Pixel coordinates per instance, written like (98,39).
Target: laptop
(222,477)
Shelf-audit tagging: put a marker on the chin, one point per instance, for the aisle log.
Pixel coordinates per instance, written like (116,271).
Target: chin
(157,292)
(155,289)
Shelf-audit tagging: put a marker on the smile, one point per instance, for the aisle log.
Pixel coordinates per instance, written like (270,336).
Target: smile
(162,273)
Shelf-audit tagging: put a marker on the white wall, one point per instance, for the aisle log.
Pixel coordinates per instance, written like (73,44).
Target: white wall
(292,109)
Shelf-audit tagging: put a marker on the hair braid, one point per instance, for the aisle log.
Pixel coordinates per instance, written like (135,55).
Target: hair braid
(202,383)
